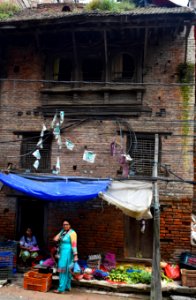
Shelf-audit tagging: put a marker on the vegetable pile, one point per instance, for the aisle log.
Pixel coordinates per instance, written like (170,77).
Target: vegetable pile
(130,276)
(134,275)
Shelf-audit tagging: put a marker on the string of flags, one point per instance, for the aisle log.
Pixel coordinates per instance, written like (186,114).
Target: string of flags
(88,156)
(116,149)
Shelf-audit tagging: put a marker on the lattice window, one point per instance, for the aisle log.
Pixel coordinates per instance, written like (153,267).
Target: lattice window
(142,153)
(28,146)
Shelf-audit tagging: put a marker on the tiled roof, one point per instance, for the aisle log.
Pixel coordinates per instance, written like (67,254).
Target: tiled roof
(55,13)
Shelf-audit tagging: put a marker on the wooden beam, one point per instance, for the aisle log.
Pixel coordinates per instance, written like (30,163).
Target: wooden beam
(188,29)
(75,53)
(106,56)
(145,46)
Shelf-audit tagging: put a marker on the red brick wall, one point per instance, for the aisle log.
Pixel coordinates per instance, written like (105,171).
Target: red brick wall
(100,227)
(7,217)
(101,230)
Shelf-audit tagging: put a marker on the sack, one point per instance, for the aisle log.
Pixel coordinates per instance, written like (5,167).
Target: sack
(48,262)
(172,271)
(109,262)
(76,268)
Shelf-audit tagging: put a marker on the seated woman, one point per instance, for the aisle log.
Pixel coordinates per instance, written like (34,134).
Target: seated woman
(29,247)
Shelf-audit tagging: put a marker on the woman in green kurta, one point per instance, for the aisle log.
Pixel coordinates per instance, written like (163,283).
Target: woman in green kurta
(67,239)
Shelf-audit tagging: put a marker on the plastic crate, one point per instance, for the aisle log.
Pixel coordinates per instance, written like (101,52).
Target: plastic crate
(188,277)
(188,261)
(6,265)
(94,261)
(10,246)
(37,281)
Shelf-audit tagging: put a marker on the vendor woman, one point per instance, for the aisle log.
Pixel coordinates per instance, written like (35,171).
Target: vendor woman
(28,246)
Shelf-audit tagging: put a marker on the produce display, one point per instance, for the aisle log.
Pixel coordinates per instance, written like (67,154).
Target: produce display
(123,274)
(130,276)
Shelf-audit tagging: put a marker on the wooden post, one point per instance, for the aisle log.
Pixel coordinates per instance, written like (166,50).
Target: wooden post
(156,291)
(75,53)
(106,94)
(106,55)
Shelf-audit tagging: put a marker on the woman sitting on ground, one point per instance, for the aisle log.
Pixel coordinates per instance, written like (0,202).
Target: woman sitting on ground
(29,247)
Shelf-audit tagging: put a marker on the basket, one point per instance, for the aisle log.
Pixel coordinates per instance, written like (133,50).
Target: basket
(78,276)
(37,281)
(188,277)
(87,276)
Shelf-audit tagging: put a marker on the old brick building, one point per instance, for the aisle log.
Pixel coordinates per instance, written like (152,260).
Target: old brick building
(118,78)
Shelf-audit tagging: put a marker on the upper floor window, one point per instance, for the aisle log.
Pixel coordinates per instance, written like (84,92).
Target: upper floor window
(142,153)
(92,69)
(28,146)
(123,67)
(62,69)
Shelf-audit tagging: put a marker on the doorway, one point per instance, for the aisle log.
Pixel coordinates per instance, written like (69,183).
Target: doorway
(32,213)
(138,238)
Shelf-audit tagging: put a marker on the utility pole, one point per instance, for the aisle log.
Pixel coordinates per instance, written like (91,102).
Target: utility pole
(156,291)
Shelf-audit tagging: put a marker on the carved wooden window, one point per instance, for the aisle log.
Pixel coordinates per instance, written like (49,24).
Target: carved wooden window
(62,69)
(28,146)
(92,69)
(123,67)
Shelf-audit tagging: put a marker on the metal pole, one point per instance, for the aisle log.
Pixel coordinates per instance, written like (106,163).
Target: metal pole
(156,291)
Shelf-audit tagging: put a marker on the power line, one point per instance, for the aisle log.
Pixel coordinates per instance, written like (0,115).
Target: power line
(97,82)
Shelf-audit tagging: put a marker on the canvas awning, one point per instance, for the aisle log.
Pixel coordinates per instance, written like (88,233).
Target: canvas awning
(132,197)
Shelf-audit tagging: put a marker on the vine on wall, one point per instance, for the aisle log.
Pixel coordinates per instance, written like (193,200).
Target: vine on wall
(185,73)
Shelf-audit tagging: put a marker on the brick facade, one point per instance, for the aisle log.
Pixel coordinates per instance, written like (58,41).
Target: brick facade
(101,227)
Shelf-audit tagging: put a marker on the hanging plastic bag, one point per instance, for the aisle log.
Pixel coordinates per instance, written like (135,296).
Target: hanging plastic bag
(76,268)
(69,145)
(89,156)
(172,271)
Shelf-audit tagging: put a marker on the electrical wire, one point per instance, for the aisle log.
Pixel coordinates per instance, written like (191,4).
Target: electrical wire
(98,82)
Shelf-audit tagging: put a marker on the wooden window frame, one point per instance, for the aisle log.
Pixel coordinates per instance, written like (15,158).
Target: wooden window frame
(28,145)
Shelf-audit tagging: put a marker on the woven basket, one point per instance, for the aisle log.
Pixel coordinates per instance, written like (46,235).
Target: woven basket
(188,277)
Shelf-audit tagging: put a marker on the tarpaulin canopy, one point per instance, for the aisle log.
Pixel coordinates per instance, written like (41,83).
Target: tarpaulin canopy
(59,190)
(132,197)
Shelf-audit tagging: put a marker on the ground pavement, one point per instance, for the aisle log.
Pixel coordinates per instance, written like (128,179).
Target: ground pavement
(15,291)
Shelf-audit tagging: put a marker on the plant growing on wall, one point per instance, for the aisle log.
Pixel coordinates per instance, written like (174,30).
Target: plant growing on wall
(8,10)
(185,73)
(109,5)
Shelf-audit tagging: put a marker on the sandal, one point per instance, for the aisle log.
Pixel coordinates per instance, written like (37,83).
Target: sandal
(56,292)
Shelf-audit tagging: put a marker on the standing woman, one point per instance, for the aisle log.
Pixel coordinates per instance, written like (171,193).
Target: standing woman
(67,239)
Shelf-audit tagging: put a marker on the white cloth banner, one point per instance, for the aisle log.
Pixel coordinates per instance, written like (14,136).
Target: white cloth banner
(132,197)
(180,2)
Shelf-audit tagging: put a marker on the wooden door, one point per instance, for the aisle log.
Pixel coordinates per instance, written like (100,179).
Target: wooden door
(138,244)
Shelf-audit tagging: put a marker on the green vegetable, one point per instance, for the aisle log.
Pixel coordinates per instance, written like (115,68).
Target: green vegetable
(121,275)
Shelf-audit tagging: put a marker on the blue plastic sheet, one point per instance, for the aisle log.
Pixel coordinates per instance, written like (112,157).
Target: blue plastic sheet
(59,190)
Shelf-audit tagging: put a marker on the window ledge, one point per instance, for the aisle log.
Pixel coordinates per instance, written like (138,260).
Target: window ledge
(94,88)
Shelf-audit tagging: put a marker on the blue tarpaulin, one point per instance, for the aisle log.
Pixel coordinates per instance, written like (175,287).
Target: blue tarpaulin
(58,190)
